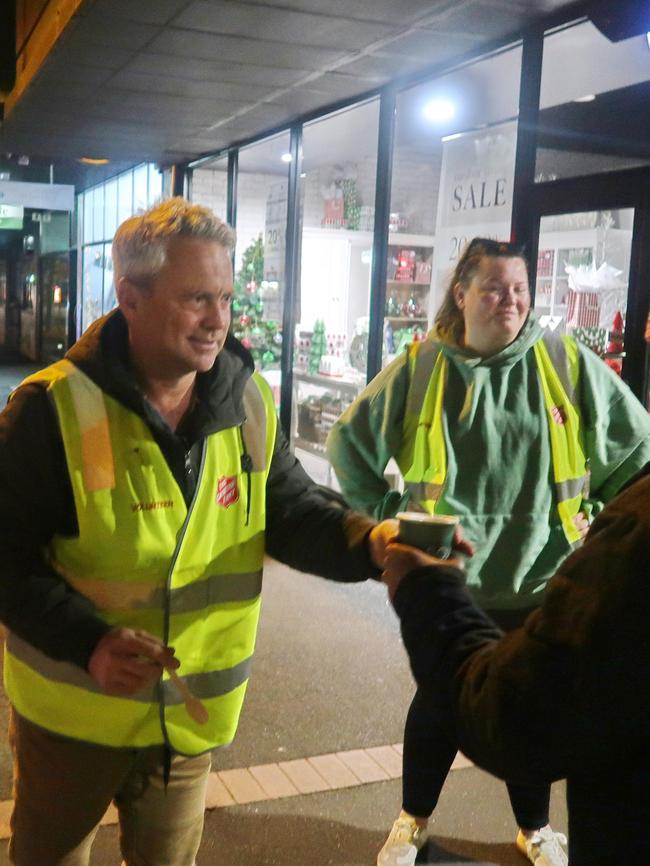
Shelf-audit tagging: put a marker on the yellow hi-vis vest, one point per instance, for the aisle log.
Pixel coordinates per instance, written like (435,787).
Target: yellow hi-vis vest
(423,457)
(191,576)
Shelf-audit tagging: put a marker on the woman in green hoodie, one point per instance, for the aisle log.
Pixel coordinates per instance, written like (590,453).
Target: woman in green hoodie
(522,434)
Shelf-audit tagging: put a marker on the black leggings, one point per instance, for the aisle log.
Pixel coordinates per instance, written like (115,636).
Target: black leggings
(430,748)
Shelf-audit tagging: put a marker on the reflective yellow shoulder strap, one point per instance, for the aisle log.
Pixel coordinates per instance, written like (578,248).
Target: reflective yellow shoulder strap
(86,401)
(426,469)
(558,366)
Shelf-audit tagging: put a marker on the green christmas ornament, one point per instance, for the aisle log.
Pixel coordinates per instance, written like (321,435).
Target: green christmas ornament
(236,306)
(268,358)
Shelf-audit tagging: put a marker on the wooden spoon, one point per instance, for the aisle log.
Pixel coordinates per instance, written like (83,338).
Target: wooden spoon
(196,709)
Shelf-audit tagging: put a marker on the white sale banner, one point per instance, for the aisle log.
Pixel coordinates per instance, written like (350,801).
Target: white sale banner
(475,196)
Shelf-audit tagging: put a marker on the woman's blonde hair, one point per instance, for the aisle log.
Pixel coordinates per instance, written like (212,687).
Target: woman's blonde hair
(140,244)
(449,324)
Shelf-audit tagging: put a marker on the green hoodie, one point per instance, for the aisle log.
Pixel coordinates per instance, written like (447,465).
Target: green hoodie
(499,474)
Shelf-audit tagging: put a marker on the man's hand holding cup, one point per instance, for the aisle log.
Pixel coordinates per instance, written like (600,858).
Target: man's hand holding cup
(423,540)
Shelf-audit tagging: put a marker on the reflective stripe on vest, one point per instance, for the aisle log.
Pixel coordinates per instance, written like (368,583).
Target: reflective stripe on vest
(190,576)
(423,457)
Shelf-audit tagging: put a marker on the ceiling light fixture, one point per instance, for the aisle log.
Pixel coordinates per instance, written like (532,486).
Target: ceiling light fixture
(92,160)
(588,97)
(286,157)
(439,110)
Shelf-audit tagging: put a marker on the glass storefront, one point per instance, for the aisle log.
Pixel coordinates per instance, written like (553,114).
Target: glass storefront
(210,186)
(456,168)
(593,104)
(99,212)
(453,156)
(452,179)
(583,267)
(261,206)
(337,195)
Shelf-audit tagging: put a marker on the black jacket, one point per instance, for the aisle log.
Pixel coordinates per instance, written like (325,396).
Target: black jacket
(568,693)
(307,526)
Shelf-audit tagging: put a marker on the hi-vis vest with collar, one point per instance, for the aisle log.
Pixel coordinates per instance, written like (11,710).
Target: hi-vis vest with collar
(189,575)
(423,456)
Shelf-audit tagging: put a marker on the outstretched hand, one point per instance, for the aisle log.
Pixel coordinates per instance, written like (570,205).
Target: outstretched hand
(581,523)
(400,559)
(380,537)
(125,661)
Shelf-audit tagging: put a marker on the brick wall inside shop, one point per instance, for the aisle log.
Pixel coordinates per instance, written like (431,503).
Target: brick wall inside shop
(415,186)
(252,192)
(209,188)
(414,192)
(318,184)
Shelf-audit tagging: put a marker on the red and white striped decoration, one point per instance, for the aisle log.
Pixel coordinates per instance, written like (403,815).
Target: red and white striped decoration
(583,309)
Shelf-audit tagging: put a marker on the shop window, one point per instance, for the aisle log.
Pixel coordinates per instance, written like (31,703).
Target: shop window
(257,309)
(109,300)
(124,196)
(92,283)
(583,269)
(593,104)
(88,205)
(110,209)
(98,215)
(140,189)
(54,231)
(210,186)
(101,210)
(155,185)
(331,341)
(452,179)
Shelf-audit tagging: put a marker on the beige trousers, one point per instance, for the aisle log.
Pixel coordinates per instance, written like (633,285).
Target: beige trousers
(63,787)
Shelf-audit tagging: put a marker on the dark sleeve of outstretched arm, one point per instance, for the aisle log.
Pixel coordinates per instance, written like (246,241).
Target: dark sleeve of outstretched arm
(499,695)
(441,626)
(530,704)
(309,527)
(36,503)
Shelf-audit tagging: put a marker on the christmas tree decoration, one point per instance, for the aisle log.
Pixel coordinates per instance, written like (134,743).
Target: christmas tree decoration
(351,207)
(593,338)
(318,346)
(262,338)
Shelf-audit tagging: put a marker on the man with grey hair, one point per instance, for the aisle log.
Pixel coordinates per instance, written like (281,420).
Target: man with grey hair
(142,479)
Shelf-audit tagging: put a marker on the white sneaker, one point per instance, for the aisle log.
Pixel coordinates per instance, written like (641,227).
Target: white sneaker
(544,847)
(404,841)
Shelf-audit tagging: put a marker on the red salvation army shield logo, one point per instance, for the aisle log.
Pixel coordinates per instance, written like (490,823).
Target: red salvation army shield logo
(558,415)
(227,490)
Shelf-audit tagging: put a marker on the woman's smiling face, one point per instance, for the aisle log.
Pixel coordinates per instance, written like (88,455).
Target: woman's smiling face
(495,304)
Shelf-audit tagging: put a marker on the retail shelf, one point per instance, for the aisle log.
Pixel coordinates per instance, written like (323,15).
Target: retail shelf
(408,283)
(331,382)
(406,318)
(311,447)
(395,239)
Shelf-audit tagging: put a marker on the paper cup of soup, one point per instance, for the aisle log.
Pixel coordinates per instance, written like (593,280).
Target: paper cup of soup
(431,532)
